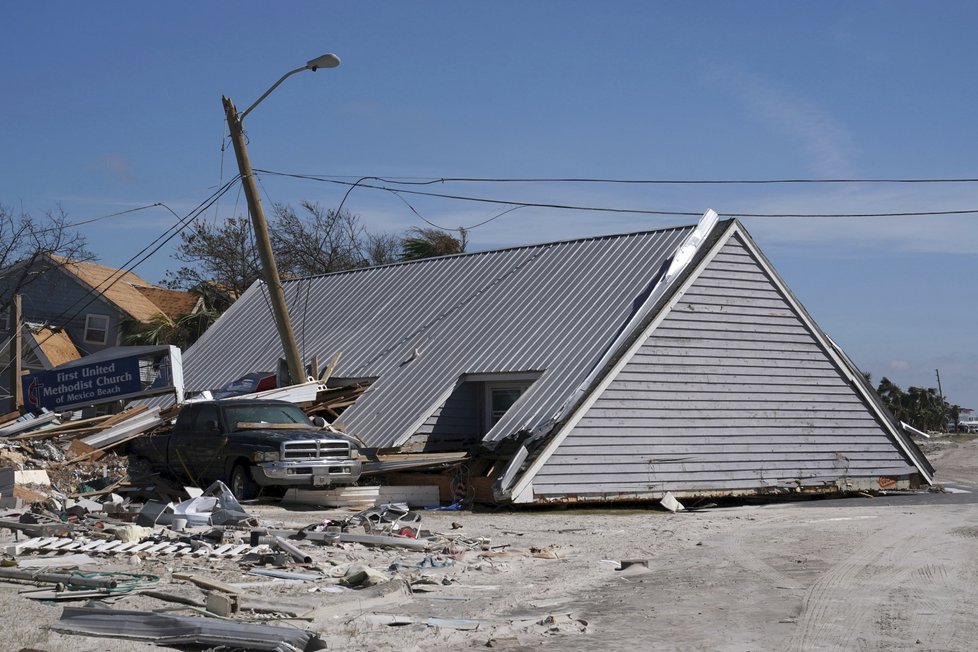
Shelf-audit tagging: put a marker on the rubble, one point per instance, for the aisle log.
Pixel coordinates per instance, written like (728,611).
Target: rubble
(338,569)
(83,524)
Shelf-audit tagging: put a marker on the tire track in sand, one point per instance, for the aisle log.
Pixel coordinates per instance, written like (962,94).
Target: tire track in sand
(839,610)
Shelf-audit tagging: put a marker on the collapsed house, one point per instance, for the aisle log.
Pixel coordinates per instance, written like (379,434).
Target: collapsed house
(612,368)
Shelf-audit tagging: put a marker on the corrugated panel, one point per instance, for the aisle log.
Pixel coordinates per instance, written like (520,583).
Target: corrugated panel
(417,327)
(731,391)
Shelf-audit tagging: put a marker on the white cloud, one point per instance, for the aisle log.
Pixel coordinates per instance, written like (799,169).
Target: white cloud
(827,143)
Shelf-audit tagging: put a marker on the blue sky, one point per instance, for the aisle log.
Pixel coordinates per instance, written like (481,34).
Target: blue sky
(114,105)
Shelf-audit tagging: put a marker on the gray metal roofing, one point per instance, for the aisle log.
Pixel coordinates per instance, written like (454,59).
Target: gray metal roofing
(418,327)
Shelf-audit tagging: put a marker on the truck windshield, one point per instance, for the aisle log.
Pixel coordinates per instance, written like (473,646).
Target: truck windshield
(246,415)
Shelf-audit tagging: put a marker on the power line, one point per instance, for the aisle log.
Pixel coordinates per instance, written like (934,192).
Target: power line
(97,219)
(606,209)
(155,245)
(422,181)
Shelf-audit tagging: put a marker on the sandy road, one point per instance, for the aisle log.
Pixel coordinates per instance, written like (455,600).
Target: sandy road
(875,574)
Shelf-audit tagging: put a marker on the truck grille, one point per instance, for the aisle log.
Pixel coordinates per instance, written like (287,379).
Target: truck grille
(315,449)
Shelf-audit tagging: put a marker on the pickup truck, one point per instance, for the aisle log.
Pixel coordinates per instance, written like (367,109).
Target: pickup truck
(249,444)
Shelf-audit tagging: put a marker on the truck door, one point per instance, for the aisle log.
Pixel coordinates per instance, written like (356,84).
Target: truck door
(198,446)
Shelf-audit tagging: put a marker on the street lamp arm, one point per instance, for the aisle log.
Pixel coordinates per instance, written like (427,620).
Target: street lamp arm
(323,61)
(269,91)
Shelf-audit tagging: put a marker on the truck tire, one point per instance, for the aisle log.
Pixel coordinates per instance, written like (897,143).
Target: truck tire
(241,483)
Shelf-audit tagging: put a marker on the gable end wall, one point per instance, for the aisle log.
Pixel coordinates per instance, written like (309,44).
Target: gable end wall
(730,393)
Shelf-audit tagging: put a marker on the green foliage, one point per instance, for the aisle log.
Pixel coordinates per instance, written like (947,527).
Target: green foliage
(183,331)
(429,242)
(922,408)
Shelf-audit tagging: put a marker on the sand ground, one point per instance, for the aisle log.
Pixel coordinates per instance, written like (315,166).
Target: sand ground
(860,574)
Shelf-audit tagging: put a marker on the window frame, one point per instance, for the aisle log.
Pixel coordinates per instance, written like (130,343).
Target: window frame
(89,326)
(489,417)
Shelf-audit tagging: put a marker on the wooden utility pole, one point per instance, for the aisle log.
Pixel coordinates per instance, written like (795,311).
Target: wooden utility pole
(262,239)
(16,360)
(269,268)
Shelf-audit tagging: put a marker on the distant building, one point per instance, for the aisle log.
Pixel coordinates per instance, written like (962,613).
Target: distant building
(72,308)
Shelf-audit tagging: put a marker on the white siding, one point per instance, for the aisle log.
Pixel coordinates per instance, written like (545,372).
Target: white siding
(456,424)
(731,392)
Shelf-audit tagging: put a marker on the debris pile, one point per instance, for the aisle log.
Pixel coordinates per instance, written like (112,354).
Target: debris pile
(243,580)
(82,525)
(43,458)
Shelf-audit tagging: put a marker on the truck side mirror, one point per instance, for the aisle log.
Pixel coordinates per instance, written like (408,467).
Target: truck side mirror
(211,426)
(318,421)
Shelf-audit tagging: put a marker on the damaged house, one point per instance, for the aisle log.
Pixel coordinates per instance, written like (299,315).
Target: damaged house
(75,308)
(608,368)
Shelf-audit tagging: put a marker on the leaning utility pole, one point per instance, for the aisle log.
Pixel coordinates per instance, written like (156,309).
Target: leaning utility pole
(297,372)
(269,268)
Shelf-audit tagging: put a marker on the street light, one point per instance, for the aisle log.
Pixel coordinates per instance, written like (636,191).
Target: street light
(260,225)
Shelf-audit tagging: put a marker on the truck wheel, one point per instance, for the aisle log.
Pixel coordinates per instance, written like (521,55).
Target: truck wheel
(241,483)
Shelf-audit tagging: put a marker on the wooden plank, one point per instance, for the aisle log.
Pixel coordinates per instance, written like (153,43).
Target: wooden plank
(674,378)
(239,550)
(591,445)
(80,450)
(142,546)
(44,541)
(572,482)
(759,434)
(59,544)
(687,332)
(726,406)
(722,372)
(70,427)
(123,416)
(662,461)
(719,423)
(545,486)
(753,350)
(108,546)
(91,545)
(711,391)
(19,547)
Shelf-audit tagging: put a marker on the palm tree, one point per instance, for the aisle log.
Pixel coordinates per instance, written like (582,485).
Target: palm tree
(428,243)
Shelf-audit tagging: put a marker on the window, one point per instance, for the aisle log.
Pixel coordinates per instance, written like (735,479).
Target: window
(4,320)
(206,414)
(499,398)
(96,329)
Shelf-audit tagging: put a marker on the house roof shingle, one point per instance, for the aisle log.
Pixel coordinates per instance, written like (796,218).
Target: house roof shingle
(126,290)
(172,303)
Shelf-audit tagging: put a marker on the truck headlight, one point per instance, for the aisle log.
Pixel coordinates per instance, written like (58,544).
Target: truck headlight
(265,456)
